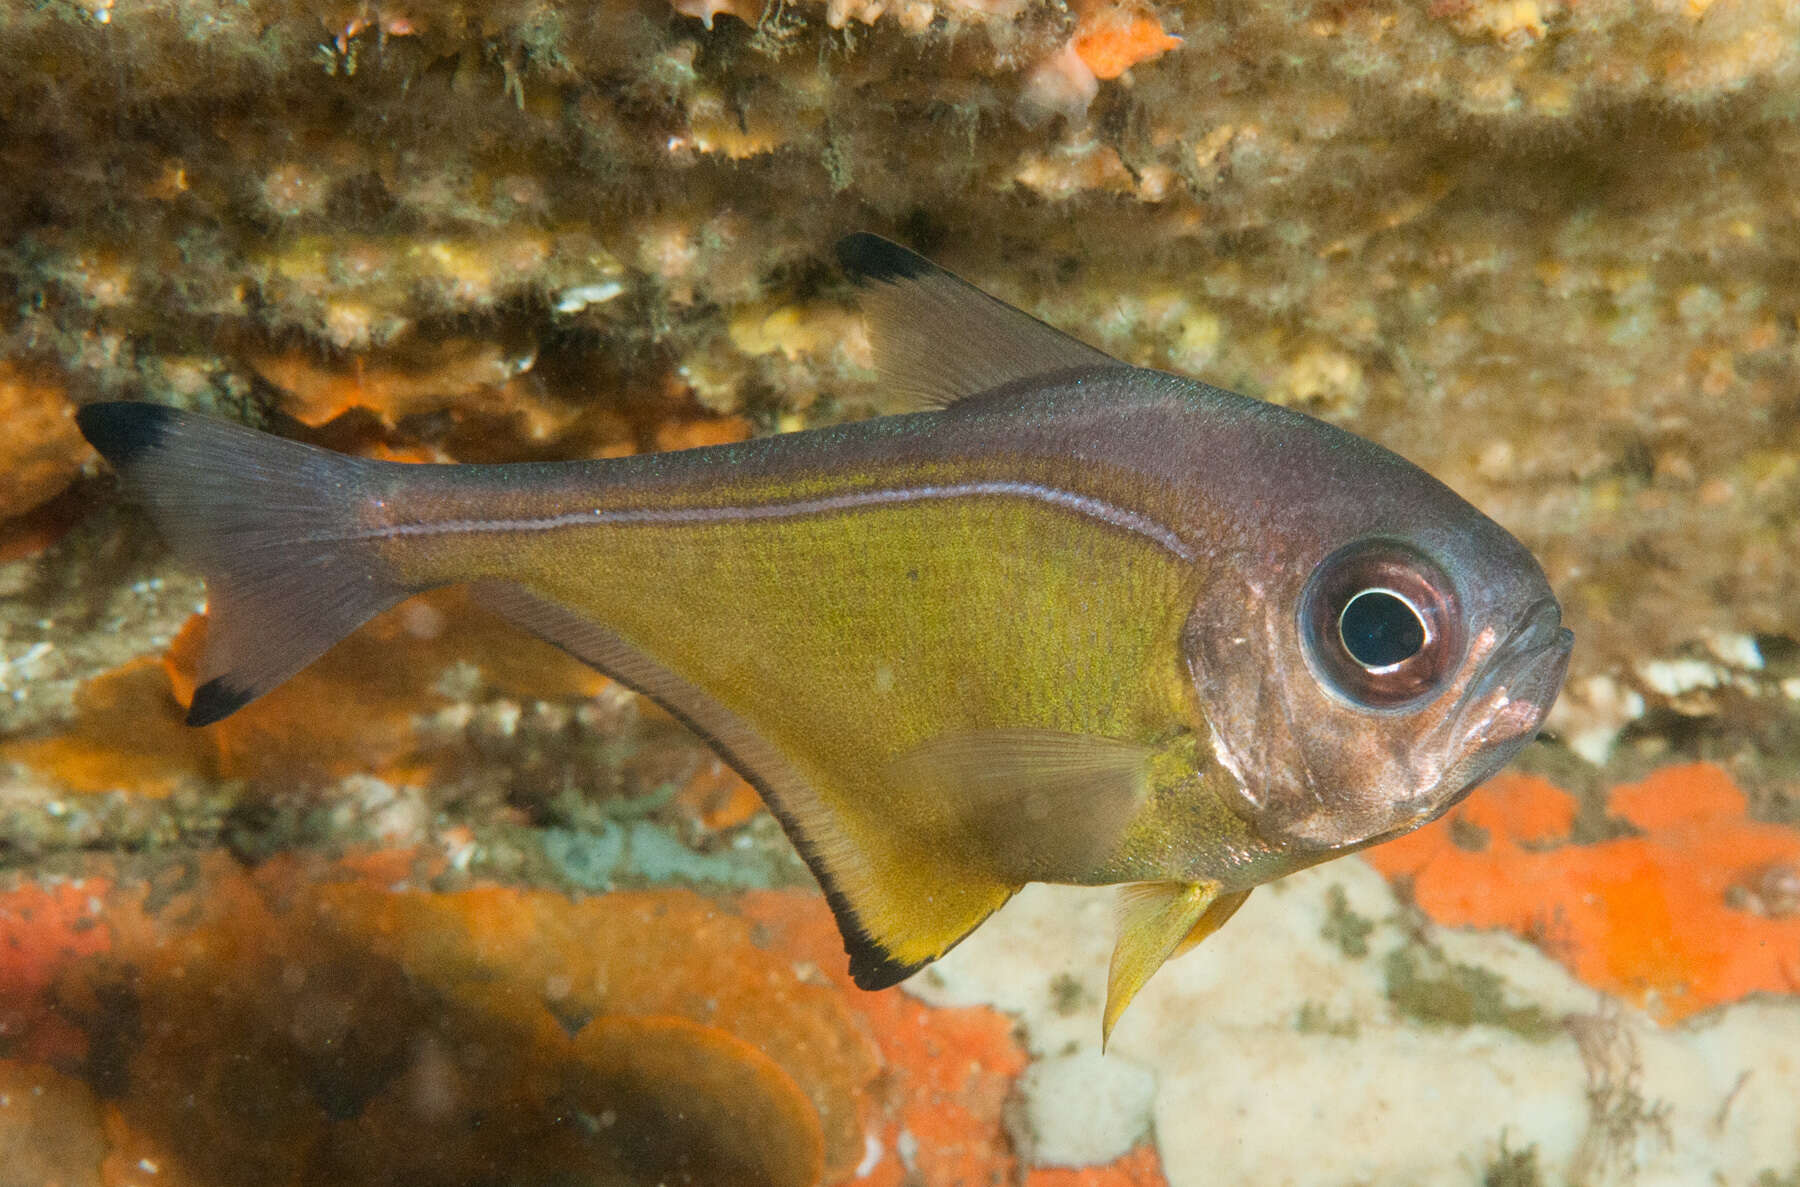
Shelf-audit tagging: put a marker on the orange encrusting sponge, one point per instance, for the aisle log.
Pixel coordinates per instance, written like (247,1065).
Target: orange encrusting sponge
(1668,919)
(1112,39)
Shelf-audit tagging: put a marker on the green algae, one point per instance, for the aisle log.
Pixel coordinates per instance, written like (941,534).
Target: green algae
(1427,987)
(1343,927)
(1513,1168)
(1468,836)
(638,850)
(584,858)
(1314,1018)
(1067,995)
(659,858)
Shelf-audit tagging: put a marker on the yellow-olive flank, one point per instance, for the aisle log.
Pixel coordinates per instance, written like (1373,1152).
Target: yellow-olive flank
(1076,622)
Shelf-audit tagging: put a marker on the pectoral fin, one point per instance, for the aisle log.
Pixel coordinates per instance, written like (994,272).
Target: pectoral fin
(1158,920)
(1031,805)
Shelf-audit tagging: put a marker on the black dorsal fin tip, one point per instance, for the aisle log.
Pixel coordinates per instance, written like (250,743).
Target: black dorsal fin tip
(216,700)
(937,339)
(868,257)
(121,431)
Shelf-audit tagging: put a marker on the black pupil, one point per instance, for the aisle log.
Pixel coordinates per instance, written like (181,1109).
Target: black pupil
(1380,629)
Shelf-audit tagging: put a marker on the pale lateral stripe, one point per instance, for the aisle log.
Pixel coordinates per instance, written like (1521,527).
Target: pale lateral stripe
(1097,509)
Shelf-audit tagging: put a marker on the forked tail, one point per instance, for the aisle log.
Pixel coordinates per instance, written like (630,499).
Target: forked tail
(274,526)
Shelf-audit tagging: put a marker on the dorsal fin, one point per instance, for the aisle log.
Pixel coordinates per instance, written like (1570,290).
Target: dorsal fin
(938,338)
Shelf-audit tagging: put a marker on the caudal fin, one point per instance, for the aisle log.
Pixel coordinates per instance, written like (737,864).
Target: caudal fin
(273,527)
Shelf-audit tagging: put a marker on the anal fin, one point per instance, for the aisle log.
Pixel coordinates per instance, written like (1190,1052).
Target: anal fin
(896,916)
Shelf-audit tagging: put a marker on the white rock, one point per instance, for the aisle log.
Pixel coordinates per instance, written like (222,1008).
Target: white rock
(579,297)
(1673,677)
(1084,1109)
(1363,1092)
(1736,650)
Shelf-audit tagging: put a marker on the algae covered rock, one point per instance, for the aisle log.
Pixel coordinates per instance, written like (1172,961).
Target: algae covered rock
(1538,247)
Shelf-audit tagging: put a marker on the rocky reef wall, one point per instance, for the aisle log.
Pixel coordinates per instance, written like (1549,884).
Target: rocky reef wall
(1544,249)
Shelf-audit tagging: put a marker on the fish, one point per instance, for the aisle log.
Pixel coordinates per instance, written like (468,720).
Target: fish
(1068,620)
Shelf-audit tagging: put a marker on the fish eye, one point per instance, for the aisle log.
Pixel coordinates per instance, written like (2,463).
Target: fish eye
(1380,625)
(1380,628)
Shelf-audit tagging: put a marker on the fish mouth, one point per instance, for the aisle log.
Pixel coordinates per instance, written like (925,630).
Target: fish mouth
(1503,707)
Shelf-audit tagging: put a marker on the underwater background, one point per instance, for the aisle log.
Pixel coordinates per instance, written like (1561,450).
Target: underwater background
(450,908)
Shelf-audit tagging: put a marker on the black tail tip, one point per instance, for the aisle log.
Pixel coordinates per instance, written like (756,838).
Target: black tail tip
(216,700)
(122,430)
(869,257)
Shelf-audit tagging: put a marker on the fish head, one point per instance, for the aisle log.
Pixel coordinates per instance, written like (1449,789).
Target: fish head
(1367,655)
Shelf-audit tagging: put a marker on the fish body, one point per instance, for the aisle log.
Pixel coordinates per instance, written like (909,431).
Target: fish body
(1085,623)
